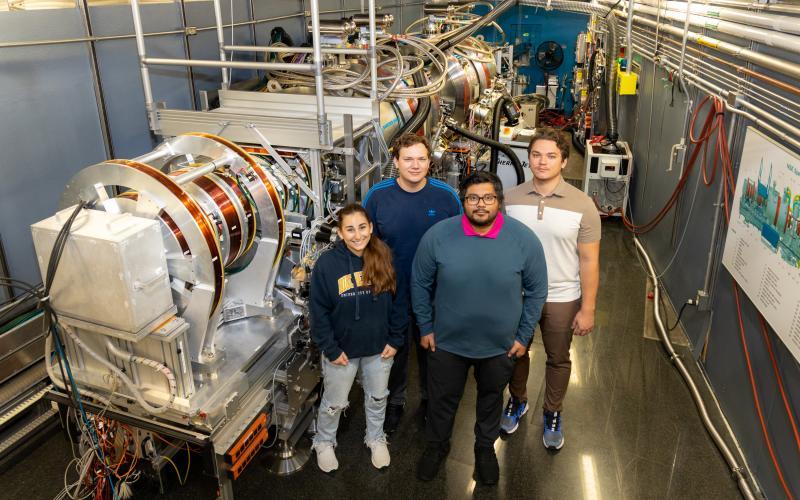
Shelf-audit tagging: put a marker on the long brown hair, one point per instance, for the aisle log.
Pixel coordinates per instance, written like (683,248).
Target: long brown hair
(378,268)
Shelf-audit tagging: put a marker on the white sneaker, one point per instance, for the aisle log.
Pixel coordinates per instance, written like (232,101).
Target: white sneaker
(326,458)
(380,453)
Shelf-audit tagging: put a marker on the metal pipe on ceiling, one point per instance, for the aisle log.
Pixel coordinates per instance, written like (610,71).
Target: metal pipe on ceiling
(732,81)
(775,22)
(788,87)
(766,61)
(776,126)
(777,39)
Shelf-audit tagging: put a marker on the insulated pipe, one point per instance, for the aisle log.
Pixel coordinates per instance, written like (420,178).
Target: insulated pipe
(322,118)
(629,45)
(145,72)
(758,6)
(780,65)
(157,61)
(467,31)
(773,22)
(758,93)
(295,50)
(733,464)
(740,69)
(784,41)
(226,77)
(518,170)
(710,88)
(684,39)
(373,58)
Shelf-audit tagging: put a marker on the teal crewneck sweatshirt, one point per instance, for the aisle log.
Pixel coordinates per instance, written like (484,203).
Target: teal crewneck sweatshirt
(477,295)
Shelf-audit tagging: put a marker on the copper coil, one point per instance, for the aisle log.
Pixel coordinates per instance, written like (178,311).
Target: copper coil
(273,193)
(206,229)
(249,209)
(228,212)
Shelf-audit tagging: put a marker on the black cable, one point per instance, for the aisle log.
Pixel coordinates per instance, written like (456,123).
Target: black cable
(420,114)
(677,321)
(493,144)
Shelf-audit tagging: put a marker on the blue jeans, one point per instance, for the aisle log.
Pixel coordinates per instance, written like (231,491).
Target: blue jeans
(338,380)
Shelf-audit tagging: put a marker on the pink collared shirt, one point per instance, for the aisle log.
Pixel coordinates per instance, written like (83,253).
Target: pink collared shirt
(497,225)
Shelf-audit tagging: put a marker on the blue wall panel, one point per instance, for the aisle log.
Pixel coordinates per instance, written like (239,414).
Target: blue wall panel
(527,27)
(50,125)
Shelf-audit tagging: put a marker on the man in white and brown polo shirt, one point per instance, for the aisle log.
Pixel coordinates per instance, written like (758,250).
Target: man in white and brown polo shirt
(567,222)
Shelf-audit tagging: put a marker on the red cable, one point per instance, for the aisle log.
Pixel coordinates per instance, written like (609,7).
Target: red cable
(778,377)
(755,394)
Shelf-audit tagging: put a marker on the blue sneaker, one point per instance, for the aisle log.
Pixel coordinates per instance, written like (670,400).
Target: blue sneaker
(514,411)
(552,437)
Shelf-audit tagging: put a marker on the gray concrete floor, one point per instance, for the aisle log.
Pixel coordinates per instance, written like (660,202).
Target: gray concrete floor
(630,426)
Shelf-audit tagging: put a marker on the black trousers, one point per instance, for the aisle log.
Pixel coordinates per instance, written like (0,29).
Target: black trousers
(447,375)
(398,378)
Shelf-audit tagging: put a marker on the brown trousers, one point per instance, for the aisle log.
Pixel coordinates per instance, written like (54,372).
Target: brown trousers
(556,326)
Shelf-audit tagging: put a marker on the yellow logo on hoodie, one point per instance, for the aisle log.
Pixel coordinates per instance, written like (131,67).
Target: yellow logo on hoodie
(346,282)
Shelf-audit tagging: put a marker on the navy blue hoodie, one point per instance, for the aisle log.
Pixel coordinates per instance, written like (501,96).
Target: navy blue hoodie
(347,316)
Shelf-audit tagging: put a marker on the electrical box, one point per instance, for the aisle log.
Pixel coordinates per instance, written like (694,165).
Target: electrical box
(608,175)
(627,83)
(517,138)
(123,252)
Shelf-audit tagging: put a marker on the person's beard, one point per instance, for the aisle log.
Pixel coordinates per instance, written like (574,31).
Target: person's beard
(482,223)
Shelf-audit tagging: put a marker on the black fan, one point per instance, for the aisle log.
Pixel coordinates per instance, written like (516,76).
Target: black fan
(549,56)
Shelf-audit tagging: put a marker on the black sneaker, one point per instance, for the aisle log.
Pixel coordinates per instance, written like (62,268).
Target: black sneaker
(486,468)
(431,460)
(393,415)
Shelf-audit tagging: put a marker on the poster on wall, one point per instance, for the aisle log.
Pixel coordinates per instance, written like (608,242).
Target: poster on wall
(762,250)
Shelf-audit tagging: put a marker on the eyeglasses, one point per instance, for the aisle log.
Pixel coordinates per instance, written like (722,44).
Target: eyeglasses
(488,199)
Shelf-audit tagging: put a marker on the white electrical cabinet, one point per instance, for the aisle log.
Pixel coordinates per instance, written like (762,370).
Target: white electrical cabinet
(608,176)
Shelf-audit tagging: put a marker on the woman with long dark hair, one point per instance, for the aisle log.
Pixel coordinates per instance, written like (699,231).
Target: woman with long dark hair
(352,313)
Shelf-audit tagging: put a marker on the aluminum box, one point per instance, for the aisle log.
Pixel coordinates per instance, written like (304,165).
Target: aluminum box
(123,252)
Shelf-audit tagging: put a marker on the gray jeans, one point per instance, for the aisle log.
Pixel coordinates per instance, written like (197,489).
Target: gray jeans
(338,380)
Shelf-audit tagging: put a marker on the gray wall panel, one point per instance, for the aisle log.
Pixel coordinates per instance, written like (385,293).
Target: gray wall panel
(725,362)
(119,72)
(293,25)
(50,121)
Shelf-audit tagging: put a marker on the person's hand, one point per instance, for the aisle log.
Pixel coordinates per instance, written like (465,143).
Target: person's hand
(517,350)
(341,360)
(428,342)
(388,352)
(583,324)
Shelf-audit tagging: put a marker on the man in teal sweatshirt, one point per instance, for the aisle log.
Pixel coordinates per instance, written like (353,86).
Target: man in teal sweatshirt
(478,285)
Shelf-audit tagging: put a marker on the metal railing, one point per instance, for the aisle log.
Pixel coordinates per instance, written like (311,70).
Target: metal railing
(226,65)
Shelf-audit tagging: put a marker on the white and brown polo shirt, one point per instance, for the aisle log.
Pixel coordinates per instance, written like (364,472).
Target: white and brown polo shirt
(561,220)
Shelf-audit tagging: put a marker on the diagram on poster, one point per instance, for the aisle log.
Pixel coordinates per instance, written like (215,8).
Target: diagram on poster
(762,250)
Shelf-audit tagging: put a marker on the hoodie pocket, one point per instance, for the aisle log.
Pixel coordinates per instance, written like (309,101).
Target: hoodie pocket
(343,338)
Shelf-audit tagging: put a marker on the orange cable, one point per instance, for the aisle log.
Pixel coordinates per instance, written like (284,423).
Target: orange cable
(755,394)
(778,377)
